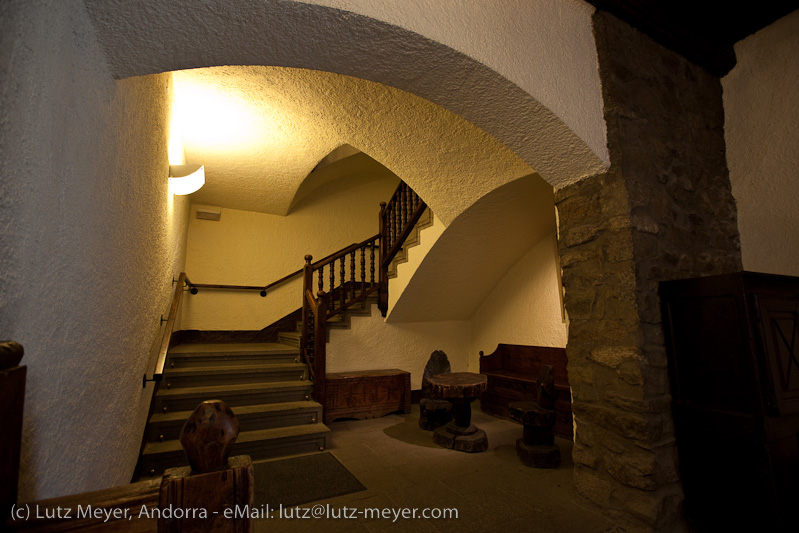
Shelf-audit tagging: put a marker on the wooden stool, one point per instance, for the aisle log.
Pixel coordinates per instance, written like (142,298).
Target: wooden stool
(434,413)
(537,447)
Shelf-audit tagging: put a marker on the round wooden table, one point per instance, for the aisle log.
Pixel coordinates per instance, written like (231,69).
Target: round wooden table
(460,388)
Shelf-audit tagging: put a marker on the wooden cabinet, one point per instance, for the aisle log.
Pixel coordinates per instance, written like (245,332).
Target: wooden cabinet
(733,355)
(367,394)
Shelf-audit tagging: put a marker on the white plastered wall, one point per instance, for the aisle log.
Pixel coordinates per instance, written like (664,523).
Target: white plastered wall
(524,72)
(762,135)
(249,248)
(524,308)
(545,47)
(91,238)
(373,344)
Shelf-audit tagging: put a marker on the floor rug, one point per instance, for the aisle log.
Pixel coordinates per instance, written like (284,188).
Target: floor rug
(303,479)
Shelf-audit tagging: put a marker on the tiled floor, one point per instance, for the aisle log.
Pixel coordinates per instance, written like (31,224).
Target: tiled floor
(492,491)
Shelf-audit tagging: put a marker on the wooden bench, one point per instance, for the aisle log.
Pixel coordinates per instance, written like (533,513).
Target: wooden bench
(367,394)
(513,371)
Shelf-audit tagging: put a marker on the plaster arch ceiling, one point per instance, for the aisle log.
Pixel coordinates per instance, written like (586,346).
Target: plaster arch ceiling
(260,131)
(537,92)
(480,246)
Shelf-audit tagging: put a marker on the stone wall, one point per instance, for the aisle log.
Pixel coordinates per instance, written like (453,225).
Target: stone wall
(664,210)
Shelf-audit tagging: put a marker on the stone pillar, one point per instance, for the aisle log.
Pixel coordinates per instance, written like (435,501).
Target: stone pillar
(664,210)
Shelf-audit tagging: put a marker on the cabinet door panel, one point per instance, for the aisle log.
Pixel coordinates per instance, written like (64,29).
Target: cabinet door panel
(779,329)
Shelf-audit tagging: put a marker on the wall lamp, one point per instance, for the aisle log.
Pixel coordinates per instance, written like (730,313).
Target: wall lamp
(186,179)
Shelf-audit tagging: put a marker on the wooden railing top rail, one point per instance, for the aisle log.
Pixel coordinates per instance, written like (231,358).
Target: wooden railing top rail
(417,213)
(170,325)
(336,255)
(262,288)
(324,261)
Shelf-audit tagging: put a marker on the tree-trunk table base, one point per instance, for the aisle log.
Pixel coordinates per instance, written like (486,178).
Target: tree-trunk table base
(463,439)
(460,388)
(538,456)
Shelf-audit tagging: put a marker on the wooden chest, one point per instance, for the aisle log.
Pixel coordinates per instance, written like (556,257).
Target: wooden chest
(367,394)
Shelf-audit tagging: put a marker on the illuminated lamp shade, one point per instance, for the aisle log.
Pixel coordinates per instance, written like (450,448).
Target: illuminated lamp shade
(186,179)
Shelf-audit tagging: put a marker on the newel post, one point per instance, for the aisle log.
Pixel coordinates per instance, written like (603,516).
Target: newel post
(320,344)
(382,300)
(207,495)
(12,397)
(307,282)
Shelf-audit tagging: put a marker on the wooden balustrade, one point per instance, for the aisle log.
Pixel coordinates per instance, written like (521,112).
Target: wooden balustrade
(397,219)
(342,281)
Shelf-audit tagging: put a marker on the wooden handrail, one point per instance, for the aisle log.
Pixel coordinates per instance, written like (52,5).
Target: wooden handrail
(415,216)
(158,371)
(344,251)
(262,288)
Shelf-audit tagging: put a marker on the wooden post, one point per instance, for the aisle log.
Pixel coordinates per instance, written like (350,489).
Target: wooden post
(320,342)
(307,282)
(12,398)
(382,293)
(215,493)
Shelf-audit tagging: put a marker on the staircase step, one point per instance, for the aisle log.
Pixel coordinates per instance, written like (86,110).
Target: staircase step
(216,354)
(167,426)
(291,338)
(259,444)
(187,398)
(234,374)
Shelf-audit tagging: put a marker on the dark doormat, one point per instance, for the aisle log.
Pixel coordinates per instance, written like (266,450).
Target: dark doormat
(304,479)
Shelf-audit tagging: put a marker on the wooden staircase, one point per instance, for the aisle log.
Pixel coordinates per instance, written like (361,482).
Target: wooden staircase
(339,321)
(264,384)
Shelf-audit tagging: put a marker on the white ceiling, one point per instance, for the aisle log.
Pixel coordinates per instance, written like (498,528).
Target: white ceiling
(270,135)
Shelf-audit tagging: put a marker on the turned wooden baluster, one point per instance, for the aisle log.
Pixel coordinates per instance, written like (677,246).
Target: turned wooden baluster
(320,341)
(308,344)
(342,294)
(372,262)
(307,284)
(352,274)
(393,234)
(321,278)
(404,196)
(332,276)
(363,269)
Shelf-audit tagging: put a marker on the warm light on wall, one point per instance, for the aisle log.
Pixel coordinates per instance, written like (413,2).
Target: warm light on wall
(186,179)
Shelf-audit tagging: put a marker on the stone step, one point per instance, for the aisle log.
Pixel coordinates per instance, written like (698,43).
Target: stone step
(235,374)
(291,338)
(228,354)
(167,426)
(187,398)
(259,444)
(425,221)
